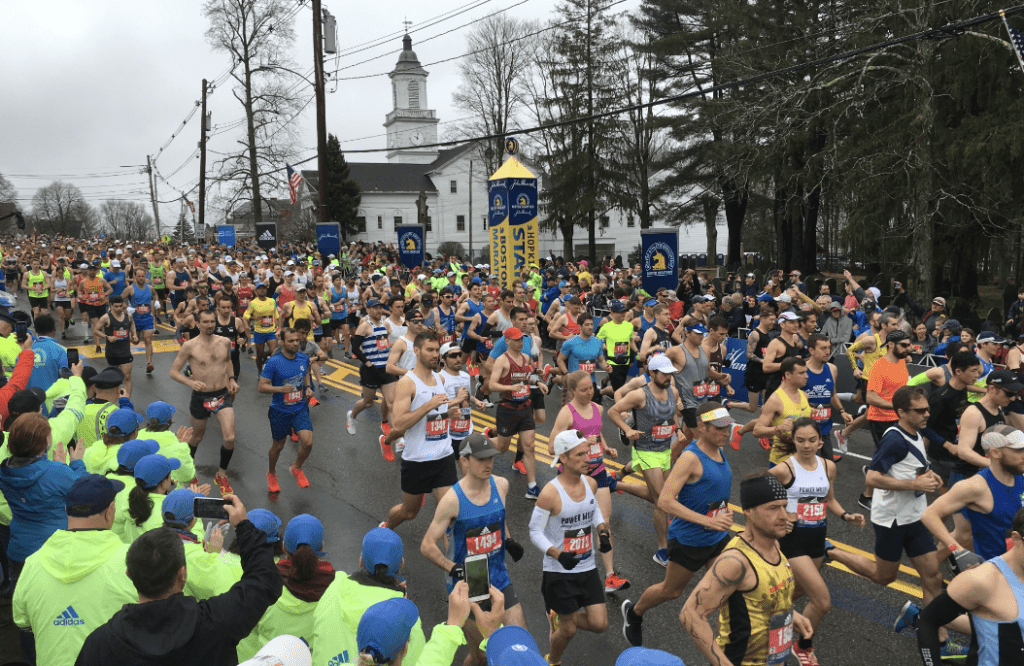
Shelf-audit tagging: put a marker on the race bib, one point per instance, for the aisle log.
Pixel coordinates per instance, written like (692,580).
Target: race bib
(383,343)
(266,321)
(244,302)
(488,344)
(700,390)
(714,389)
(460,428)
(214,404)
(292,397)
(92,296)
(662,431)
(142,310)
(446,338)
(716,509)
(62,294)
(521,394)
(810,511)
(588,365)
(780,637)
(184,284)
(621,348)
(578,541)
(121,334)
(483,540)
(437,428)
(338,307)
(823,413)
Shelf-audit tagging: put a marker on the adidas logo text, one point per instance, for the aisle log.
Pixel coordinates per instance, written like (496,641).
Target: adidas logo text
(68,618)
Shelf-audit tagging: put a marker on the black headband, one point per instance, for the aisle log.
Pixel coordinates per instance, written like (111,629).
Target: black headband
(761,490)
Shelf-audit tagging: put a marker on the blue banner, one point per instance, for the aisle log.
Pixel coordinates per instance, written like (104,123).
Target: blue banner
(226,234)
(328,239)
(659,259)
(736,356)
(410,245)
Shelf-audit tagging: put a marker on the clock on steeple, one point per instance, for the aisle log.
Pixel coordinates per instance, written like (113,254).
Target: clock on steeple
(410,124)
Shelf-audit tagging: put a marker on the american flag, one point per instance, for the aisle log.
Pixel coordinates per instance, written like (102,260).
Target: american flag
(1016,39)
(294,179)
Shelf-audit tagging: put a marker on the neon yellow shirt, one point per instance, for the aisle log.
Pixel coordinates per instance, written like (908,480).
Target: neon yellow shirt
(261,314)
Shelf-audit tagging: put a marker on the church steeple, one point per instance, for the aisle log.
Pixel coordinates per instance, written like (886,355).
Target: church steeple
(410,123)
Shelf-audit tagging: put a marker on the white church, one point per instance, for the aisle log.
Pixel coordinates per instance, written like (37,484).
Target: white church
(390,189)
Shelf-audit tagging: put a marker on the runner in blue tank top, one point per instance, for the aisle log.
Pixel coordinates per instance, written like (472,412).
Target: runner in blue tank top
(472,516)
(139,295)
(701,481)
(821,392)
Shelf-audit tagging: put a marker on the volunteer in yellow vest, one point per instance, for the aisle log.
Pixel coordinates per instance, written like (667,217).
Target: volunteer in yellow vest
(173,445)
(104,399)
(300,308)
(9,347)
(101,457)
(619,343)
(262,316)
(789,402)
(336,619)
(152,483)
(306,577)
(208,576)
(76,581)
(750,585)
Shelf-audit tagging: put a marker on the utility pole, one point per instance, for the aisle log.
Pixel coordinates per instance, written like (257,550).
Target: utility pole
(321,112)
(152,193)
(202,164)
(471,212)
(591,193)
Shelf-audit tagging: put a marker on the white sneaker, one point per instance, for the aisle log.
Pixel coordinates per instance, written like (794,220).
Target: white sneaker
(350,424)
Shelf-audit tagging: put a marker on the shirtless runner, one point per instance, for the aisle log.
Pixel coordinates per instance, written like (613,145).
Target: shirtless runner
(213,389)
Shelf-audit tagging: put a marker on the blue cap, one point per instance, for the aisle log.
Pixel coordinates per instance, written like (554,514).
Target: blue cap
(563,283)
(153,469)
(268,522)
(382,546)
(375,277)
(513,646)
(437,270)
(477,280)
(129,453)
(699,328)
(91,494)
(765,296)
(123,421)
(641,656)
(159,413)
(304,529)
(103,253)
(95,262)
(259,284)
(616,306)
(373,302)
(178,507)
(651,303)
(385,627)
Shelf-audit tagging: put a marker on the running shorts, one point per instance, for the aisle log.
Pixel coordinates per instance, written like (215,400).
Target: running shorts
(892,541)
(118,359)
(566,593)
(41,302)
(282,423)
(809,541)
(652,459)
(693,558)
(205,404)
(371,376)
(263,338)
(510,421)
(420,478)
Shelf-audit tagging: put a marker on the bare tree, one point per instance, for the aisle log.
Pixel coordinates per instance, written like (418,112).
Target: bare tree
(257,34)
(8,204)
(126,220)
(8,193)
(494,74)
(60,208)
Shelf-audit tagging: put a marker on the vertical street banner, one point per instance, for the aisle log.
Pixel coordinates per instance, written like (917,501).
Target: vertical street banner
(266,235)
(226,234)
(736,357)
(659,259)
(512,221)
(328,239)
(410,245)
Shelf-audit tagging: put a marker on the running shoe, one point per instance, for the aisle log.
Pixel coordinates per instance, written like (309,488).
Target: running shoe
(546,372)
(295,436)
(520,467)
(330,354)
(149,368)
(272,484)
(614,582)
(954,649)
(533,492)
(842,445)
(552,624)
(632,624)
(836,457)
(805,657)
(300,476)
(661,557)
(383,523)
(64,336)
(399,445)
(491,433)
(735,437)
(829,547)
(765,443)
(385,427)
(547,658)
(350,423)
(323,388)
(865,502)
(907,619)
(385,449)
(313,402)
(99,350)
(224,485)
(622,438)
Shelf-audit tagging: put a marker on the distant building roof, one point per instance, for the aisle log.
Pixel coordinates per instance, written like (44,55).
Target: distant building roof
(268,204)
(390,177)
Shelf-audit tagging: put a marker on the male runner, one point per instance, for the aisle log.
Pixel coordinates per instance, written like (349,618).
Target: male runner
(118,330)
(871,345)
(401,361)
(947,404)
(656,338)
(562,527)
(821,391)
(750,585)
(371,346)
(620,344)
(582,352)
(213,390)
(696,495)
(787,403)
(472,516)
(654,413)
(231,327)
(460,411)
(139,296)
(286,376)
(421,411)
(262,312)
(92,302)
(691,380)
(786,345)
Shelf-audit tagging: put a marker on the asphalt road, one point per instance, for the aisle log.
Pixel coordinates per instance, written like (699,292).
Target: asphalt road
(352,488)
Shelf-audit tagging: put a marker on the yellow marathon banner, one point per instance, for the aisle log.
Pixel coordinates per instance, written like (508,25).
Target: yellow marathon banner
(512,221)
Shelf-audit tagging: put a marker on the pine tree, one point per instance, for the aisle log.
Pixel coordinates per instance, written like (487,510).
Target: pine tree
(342,192)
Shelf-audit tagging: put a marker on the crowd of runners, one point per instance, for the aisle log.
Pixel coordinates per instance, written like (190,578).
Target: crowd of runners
(87,471)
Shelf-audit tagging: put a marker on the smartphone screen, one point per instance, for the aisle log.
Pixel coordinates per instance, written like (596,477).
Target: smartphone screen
(72,356)
(209,507)
(478,577)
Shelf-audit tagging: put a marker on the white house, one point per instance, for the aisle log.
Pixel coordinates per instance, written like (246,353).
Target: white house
(390,189)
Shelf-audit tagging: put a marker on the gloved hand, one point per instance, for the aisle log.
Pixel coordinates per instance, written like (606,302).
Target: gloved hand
(605,541)
(458,572)
(568,560)
(513,548)
(964,559)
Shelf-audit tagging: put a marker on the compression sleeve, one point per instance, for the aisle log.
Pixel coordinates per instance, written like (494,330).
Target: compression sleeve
(942,610)
(919,379)
(851,353)
(357,348)
(538,521)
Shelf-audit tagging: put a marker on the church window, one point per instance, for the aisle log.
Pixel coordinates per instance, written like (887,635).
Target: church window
(398,221)
(429,227)
(604,221)
(361,224)
(630,222)
(455,186)
(414,95)
(460,221)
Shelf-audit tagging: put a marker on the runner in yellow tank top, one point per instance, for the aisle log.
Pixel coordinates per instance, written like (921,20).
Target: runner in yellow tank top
(300,308)
(788,403)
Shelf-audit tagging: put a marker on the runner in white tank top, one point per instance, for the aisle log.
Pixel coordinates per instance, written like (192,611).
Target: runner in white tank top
(401,361)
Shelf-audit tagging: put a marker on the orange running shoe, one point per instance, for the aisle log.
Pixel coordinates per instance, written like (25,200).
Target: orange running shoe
(735,437)
(300,476)
(272,484)
(224,485)
(520,467)
(385,449)
(766,443)
(385,427)
(295,436)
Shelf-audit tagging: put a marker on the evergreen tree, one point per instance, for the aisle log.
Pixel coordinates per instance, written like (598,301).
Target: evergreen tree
(342,193)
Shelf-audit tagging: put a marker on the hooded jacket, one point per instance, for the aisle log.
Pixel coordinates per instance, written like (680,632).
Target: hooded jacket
(180,631)
(35,493)
(68,588)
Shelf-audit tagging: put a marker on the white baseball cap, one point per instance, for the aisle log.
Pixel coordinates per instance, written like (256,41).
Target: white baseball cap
(283,650)
(421,276)
(566,441)
(227,259)
(661,363)
(789,316)
(448,348)
(115,264)
(1002,437)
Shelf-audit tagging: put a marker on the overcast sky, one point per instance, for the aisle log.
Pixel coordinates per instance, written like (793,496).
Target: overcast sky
(91,86)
